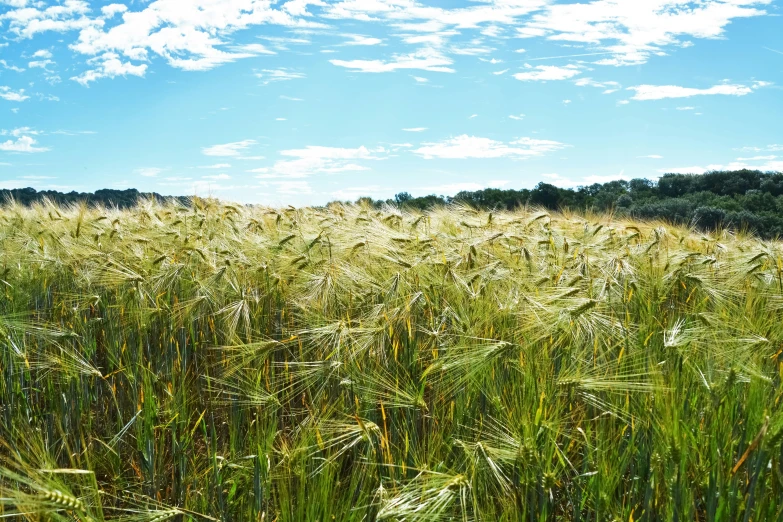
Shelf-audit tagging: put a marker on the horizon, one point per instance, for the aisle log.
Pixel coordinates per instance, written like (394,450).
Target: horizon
(306,101)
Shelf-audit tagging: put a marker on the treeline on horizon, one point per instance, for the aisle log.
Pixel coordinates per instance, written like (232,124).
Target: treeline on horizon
(741,199)
(105,197)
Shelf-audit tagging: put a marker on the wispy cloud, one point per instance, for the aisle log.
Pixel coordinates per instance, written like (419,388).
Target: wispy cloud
(415,129)
(660,92)
(564,182)
(449,189)
(14,68)
(424,59)
(148,172)
(301,163)
(633,32)
(464,146)
(360,39)
(217,166)
(609,86)
(22,140)
(764,164)
(228,149)
(542,73)
(9,94)
(109,65)
(268,76)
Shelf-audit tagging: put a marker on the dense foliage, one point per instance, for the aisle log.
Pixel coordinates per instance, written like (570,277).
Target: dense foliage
(743,199)
(105,197)
(215,362)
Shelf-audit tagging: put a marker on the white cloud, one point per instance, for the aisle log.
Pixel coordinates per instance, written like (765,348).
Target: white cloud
(651,156)
(289,188)
(290,98)
(608,87)
(148,172)
(424,59)
(635,30)
(217,166)
(40,64)
(566,102)
(409,15)
(517,116)
(42,53)
(543,73)
(299,7)
(228,149)
(563,182)
(10,67)
(109,65)
(354,193)
(768,148)
(113,9)
(278,75)
(22,144)
(471,51)
(415,129)
(24,141)
(465,146)
(757,158)
(499,73)
(685,108)
(9,94)
(764,164)
(660,92)
(191,35)
(449,189)
(196,34)
(28,20)
(419,79)
(472,116)
(217,177)
(320,160)
(280,119)
(359,39)
(72,133)
(281,43)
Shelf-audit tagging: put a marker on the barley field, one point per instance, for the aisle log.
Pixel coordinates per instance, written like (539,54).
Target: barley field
(217,362)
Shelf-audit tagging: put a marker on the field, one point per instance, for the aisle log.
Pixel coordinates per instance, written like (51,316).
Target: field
(214,362)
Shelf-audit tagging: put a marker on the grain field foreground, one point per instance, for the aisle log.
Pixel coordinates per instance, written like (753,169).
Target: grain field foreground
(217,362)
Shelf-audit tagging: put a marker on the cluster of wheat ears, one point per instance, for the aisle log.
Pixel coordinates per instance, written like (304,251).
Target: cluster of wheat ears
(219,362)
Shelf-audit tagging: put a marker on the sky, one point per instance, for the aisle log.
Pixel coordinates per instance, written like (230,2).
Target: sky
(307,101)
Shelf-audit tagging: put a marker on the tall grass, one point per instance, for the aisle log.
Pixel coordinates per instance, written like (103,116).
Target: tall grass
(215,362)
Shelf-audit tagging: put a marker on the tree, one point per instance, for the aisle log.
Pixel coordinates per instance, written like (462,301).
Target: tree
(546,195)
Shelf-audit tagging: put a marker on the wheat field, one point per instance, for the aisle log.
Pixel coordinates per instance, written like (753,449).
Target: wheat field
(219,362)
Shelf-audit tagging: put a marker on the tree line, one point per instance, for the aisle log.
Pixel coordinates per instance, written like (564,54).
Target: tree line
(740,199)
(743,199)
(104,197)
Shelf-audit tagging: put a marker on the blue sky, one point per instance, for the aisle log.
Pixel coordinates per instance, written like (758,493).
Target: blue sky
(306,101)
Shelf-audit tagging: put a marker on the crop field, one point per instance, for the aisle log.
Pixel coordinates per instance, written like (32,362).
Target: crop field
(218,362)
